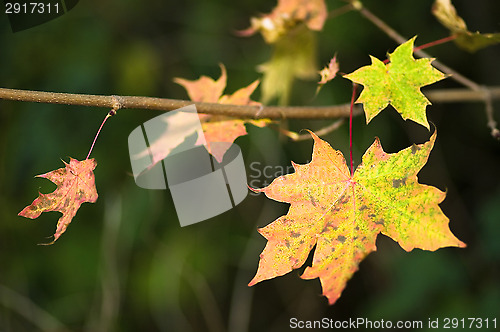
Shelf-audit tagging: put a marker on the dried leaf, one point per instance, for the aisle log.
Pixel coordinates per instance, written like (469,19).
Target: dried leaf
(287,15)
(75,185)
(446,13)
(329,72)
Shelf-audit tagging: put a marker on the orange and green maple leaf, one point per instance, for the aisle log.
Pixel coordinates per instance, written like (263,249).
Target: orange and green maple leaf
(342,215)
(397,83)
(218,128)
(75,185)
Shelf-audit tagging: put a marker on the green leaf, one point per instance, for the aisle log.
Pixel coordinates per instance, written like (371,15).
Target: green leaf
(342,215)
(473,41)
(397,83)
(294,56)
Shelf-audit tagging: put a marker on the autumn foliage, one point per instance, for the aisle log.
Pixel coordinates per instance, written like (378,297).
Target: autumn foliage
(342,214)
(335,212)
(75,185)
(220,128)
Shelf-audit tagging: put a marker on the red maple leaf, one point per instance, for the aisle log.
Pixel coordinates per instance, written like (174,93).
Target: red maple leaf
(75,185)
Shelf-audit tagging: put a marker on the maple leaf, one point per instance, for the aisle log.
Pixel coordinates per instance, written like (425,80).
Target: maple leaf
(177,126)
(342,214)
(290,27)
(205,89)
(287,15)
(398,83)
(447,15)
(75,185)
(294,56)
(329,72)
(217,128)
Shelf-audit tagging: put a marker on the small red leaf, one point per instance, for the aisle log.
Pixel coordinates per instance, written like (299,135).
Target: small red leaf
(75,185)
(329,72)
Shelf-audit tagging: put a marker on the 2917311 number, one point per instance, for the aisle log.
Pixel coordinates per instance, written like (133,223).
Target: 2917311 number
(469,323)
(31,8)
(28,14)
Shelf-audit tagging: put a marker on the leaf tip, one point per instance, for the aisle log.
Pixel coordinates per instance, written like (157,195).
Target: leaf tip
(259,276)
(46,244)
(256,190)
(424,123)
(433,137)
(252,282)
(314,136)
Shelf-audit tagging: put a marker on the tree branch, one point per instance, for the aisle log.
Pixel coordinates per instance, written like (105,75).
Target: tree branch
(163,104)
(463,95)
(400,40)
(239,111)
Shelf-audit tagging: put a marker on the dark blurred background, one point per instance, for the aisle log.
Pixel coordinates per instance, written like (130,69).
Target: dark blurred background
(125,264)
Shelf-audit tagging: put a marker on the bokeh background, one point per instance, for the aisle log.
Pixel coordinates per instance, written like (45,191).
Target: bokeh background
(126,265)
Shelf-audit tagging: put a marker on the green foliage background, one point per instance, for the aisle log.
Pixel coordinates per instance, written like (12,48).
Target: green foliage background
(126,265)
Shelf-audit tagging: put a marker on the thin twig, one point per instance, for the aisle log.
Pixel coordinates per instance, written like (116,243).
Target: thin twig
(492,124)
(340,11)
(400,40)
(320,132)
(461,95)
(239,111)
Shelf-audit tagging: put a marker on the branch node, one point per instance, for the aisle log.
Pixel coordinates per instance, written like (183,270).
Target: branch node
(259,111)
(356,4)
(491,123)
(117,104)
(495,133)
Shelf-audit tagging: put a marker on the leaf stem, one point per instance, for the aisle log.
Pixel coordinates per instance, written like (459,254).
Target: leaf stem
(340,11)
(354,85)
(110,114)
(434,43)
(322,131)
